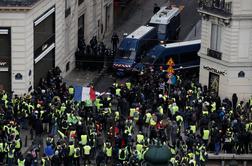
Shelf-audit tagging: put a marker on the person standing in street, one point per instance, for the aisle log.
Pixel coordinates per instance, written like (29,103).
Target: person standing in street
(114,41)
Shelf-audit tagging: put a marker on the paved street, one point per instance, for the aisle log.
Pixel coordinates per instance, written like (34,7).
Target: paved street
(138,13)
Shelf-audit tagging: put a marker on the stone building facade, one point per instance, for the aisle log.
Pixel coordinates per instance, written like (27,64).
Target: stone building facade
(36,35)
(226,49)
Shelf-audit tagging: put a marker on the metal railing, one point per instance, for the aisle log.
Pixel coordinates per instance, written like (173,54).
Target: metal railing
(219,7)
(17,3)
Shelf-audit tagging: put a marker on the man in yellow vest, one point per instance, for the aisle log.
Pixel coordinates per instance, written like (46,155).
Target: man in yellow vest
(108,151)
(86,154)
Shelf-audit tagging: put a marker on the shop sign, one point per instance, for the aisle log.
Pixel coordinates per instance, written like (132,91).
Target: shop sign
(211,69)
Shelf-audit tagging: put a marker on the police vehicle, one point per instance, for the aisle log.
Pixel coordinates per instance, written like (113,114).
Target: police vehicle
(132,48)
(167,22)
(184,55)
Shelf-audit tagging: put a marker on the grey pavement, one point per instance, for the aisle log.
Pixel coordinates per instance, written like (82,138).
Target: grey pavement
(80,77)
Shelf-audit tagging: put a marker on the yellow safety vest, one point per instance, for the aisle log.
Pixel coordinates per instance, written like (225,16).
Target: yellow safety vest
(148,117)
(71,150)
(118,92)
(21,162)
(132,111)
(139,147)
(1,147)
(140,138)
(109,151)
(152,122)
(71,91)
(179,118)
(193,129)
(76,155)
(117,116)
(205,134)
(11,153)
(175,109)
(83,140)
(128,85)
(18,144)
(87,149)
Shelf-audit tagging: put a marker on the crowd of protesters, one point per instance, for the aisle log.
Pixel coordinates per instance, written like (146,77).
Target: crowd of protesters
(118,127)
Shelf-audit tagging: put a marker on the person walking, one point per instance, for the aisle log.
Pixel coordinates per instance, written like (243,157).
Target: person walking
(114,41)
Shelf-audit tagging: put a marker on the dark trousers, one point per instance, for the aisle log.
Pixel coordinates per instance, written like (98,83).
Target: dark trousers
(87,159)
(76,161)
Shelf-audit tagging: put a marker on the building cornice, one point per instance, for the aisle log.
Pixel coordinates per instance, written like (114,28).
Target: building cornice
(19,8)
(225,63)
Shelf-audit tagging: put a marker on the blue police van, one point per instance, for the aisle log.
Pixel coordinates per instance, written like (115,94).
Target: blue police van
(133,47)
(167,22)
(184,55)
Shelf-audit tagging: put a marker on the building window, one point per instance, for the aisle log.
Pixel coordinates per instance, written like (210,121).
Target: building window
(67,8)
(80,2)
(215,37)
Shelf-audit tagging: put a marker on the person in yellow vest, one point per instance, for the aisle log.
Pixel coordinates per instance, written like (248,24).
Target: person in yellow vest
(117,116)
(21,161)
(18,144)
(205,136)
(139,149)
(213,107)
(71,150)
(86,154)
(118,91)
(76,156)
(84,139)
(108,151)
(179,120)
(132,111)
(71,92)
(11,155)
(193,129)
(140,138)
(174,109)
(122,155)
(128,85)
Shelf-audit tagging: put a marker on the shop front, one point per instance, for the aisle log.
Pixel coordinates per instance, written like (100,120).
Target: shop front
(5,59)
(44,45)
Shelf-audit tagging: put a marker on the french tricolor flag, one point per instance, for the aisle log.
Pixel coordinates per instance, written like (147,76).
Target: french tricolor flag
(84,93)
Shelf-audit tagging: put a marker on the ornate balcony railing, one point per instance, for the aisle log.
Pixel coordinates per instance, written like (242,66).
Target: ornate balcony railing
(217,8)
(17,3)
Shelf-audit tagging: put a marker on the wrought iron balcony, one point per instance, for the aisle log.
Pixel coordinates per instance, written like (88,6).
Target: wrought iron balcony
(214,54)
(216,8)
(17,3)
